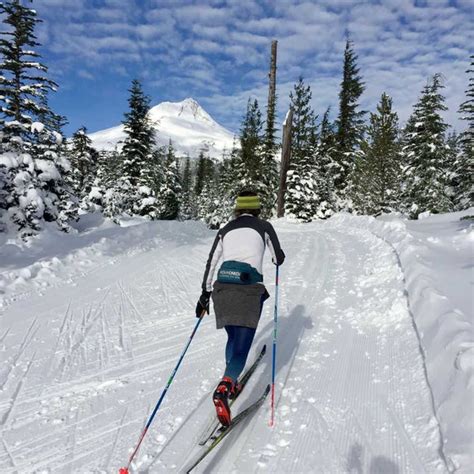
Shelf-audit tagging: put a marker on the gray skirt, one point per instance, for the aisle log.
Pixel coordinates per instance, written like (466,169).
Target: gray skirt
(238,305)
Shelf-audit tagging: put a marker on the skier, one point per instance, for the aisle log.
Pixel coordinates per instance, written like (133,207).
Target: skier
(238,293)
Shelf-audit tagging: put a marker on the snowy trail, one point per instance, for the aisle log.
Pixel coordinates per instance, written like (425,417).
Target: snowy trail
(355,398)
(87,362)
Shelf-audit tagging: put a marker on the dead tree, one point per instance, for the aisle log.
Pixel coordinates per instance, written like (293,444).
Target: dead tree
(285,161)
(272,89)
(269,143)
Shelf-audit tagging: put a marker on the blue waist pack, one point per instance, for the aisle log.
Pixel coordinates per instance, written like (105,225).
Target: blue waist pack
(239,273)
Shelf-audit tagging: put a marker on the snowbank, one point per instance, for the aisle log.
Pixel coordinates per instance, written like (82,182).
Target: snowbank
(436,257)
(54,258)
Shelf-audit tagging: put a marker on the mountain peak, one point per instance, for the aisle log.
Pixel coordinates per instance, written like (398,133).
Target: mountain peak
(187,109)
(185,123)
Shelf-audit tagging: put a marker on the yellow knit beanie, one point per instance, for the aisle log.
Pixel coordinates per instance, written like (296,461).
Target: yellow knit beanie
(247,202)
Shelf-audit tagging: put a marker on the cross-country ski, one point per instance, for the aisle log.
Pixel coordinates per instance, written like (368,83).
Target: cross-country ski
(225,430)
(213,423)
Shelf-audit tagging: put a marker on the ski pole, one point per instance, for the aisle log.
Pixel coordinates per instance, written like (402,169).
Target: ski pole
(275,325)
(124,470)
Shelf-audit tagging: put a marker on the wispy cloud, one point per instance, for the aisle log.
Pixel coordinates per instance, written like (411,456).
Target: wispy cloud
(218,51)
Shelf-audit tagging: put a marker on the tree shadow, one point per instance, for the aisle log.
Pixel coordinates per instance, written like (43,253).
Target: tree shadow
(383,465)
(378,465)
(289,333)
(291,328)
(355,459)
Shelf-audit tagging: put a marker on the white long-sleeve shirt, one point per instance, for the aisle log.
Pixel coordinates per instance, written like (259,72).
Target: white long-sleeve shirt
(243,239)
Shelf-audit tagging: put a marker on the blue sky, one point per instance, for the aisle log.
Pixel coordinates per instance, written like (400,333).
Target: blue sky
(217,51)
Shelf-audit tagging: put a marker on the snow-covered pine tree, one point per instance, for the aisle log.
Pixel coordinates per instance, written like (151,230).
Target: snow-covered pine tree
(53,122)
(230,174)
(251,144)
(104,192)
(188,207)
(53,177)
(454,153)
(217,201)
(140,138)
(376,180)
(326,169)
(464,164)
(253,169)
(24,85)
(426,156)
(211,206)
(31,150)
(84,160)
(204,172)
(100,184)
(301,195)
(170,190)
(158,159)
(133,193)
(350,123)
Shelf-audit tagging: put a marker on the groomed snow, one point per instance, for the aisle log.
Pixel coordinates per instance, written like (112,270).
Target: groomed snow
(374,356)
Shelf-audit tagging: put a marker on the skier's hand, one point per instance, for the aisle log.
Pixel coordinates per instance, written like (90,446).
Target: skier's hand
(280,258)
(202,306)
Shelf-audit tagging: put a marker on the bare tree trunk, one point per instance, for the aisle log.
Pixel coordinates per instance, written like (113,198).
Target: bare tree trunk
(285,161)
(272,80)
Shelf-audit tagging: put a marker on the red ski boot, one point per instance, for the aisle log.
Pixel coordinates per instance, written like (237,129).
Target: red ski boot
(221,400)
(235,391)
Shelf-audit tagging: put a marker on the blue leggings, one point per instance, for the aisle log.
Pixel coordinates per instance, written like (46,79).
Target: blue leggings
(237,349)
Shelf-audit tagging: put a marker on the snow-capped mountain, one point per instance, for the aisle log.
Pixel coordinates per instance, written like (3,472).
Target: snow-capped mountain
(186,124)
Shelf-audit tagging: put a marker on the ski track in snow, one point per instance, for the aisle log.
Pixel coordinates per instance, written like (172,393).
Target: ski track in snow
(85,365)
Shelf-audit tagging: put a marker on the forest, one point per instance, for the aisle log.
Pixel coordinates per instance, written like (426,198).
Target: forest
(363,162)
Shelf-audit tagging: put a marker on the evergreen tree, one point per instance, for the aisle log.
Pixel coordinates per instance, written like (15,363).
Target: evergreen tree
(53,122)
(378,168)
(453,153)
(170,190)
(135,186)
(107,164)
(84,165)
(140,138)
(326,169)
(466,109)
(187,209)
(108,184)
(231,176)
(301,199)
(251,143)
(157,165)
(34,166)
(350,121)
(304,122)
(204,173)
(464,163)
(210,205)
(230,181)
(4,188)
(24,86)
(268,185)
(427,170)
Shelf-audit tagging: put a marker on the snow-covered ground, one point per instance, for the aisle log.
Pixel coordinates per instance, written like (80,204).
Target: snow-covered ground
(375,355)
